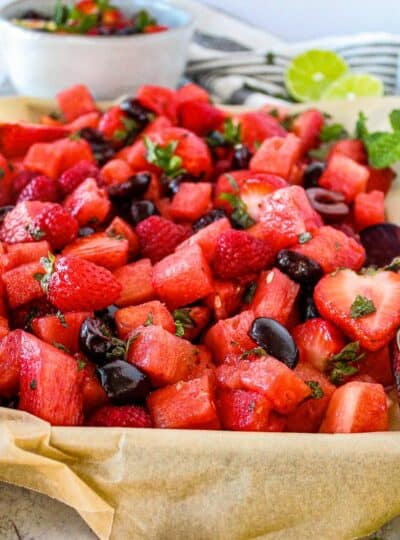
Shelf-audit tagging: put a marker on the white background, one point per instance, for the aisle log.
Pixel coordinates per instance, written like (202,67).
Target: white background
(294,20)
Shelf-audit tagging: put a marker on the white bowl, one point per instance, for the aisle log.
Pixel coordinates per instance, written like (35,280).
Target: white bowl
(41,64)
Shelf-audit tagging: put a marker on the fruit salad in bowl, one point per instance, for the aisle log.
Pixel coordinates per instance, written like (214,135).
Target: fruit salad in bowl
(167,263)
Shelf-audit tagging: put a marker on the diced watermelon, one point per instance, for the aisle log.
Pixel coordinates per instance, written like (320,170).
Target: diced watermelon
(116,171)
(226,298)
(165,357)
(307,126)
(88,203)
(89,120)
(256,127)
(102,249)
(21,285)
(23,253)
(185,405)
(202,364)
(275,296)
(182,277)
(50,383)
(277,155)
(136,283)
(200,117)
(369,209)
(345,175)
(380,179)
(357,407)
(192,201)
(191,92)
(75,101)
(61,331)
(4,326)
(351,148)
(240,410)
(119,227)
(207,237)
(129,318)
(5,181)
(94,395)
(10,364)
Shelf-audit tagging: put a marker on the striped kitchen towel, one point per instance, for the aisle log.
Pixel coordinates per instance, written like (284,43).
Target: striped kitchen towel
(239,64)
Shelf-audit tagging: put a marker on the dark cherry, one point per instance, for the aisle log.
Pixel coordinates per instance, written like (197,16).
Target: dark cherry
(330,205)
(102,150)
(395,360)
(135,186)
(275,339)
(108,315)
(241,157)
(381,243)
(141,210)
(170,186)
(299,267)
(86,231)
(313,173)
(308,309)
(123,382)
(91,135)
(136,111)
(4,211)
(207,219)
(33,15)
(12,403)
(95,340)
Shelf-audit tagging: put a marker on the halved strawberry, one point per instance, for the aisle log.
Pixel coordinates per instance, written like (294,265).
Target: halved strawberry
(366,307)
(23,253)
(200,117)
(332,249)
(160,100)
(254,190)
(191,92)
(317,340)
(102,249)
(19,224)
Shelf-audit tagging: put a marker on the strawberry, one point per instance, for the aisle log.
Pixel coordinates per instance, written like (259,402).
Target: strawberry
(192,201)
(159,237)
(307,126)
(40,188)
(50,383)
(23,253)
(160,100)
(182,277)
(107,250)
(115,126)
(4,327)
(73,177)
(185,405)
(254,190)
(345,175)
(6,182)
(88,203)
(369,209)
(75,101)
(88,120)
(74,284)
(18,225)
(238,254)
(20,180)
(136,283)
(200,117)
(257,126)
(126,416)
(366,307)
(332,249)
(191,92)
(380,179)
(277,155)
(317,340)
(56,225)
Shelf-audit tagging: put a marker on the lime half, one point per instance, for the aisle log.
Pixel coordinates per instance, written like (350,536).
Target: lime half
(354,85)
(310,74)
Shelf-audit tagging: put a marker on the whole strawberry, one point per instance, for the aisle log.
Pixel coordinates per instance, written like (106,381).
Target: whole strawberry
(238,254)
(57,226)
(159,237)
(73,284)
(21,179)
(125,416)
(71,178)
(40,188)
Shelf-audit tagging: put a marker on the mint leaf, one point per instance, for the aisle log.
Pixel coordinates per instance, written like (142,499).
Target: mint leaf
(182,320)
(232,132)
(164,157)
(383,148)
(342,364)
(61,347)
(239,214)
(304,237)
(361,126)
(334,132)
(317,391)
(149,320)
(142,20)
(2,173)
(249,293)
(361,307)
(257,351)
(33,384)
(395,119)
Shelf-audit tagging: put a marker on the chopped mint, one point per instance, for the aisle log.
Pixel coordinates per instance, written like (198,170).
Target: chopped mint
(149,320)
(182,320)
(232,181)
(257,351)
(33,384)
(383,147)
(317,391)
(333,132)
(61,318)
(395,119)
(239,215)
(361,307)
(342,364)
(164,157)
(61,347)
(250,292)
(304,237)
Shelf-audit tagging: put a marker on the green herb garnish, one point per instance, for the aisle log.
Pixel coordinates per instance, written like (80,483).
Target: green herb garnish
(317,391)
(361,307)
(239,214)
(342,364)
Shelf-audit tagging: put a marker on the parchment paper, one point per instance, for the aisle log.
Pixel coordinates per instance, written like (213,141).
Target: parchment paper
(198,485)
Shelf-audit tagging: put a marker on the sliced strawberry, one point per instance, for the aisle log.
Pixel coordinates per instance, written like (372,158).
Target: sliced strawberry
(158,99)
(76,284)
(40,188)
(19,224)
(136,283)
(191,92)
(275,296)
(377,365)
(357,407)
(56,225)
(23,253)
(188,405)
(153,312)
(200,117)
(100,248)
(254,190)
(333,249)
(126,416)
(51,383)
(365,307)
(317,340)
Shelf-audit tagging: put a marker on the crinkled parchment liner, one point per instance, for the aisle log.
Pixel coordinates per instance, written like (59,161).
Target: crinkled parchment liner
(181,485)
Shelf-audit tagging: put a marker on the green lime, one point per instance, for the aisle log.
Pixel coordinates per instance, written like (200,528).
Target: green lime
(354,85)
(310,73)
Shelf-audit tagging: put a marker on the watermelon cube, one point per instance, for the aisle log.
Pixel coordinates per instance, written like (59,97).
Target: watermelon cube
(129,318)
(241,410)
(369,209)
(22,286)
(88,203)
(182,277)
(75,101)
(192,201)
(62,332)
(307,126)
(10,364)
(136,283)
(345,176)
(277,155)
(207,237)
(110,251)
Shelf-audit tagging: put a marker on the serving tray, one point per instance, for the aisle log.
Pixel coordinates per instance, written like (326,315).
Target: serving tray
(198,485)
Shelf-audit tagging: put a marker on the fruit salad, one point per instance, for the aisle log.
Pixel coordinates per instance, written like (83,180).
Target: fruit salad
(166,263)
(91,18)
